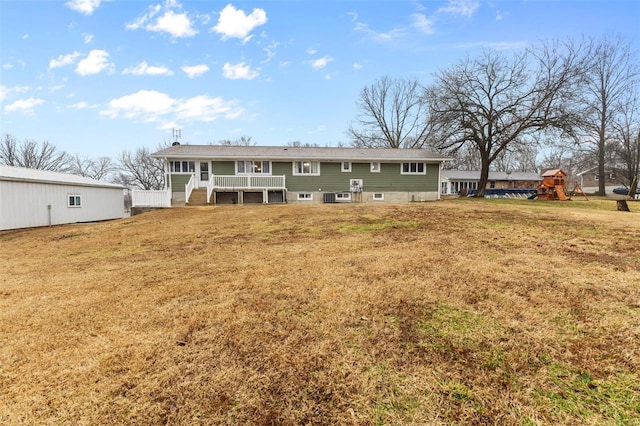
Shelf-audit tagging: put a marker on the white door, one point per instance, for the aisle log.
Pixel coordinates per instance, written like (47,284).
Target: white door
(203,176)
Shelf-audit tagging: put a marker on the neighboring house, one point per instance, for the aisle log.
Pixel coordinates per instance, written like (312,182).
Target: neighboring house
(30,198)
(454,181)
(589,178)
(199,174)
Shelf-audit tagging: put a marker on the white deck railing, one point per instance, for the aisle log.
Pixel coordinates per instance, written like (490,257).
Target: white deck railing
(141,198)
(226,182)
(188,188)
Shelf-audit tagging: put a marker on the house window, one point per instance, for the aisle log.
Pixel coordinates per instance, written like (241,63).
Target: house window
(492,184)
(413,169)
(306,167)
(74,201)
(305,196)
(343,196)
(378,196)
(346,166)
(182,166)
(375,167)
(204,171)
(596,177)
(253,167)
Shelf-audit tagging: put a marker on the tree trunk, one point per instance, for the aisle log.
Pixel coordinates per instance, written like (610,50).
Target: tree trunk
(484,176)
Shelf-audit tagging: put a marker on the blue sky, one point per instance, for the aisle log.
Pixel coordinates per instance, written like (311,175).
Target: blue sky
(97,77)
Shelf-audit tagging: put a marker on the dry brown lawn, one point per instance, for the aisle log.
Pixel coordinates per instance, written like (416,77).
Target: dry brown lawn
(455,312)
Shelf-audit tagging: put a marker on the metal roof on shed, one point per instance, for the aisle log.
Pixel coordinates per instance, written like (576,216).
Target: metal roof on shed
(297,153)
(22,174)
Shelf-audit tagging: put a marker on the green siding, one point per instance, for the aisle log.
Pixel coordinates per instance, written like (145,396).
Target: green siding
(224,168)
(332,179)
(178,181)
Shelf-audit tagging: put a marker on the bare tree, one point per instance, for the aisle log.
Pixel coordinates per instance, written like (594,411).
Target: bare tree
(33,155)
(98,169)
(611,76)
(495,103)
(391,115)
(626,130)
(241,141)
(298,144)
(139,170)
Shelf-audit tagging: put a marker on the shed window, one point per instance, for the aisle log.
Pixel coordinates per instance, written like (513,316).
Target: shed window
(74,201)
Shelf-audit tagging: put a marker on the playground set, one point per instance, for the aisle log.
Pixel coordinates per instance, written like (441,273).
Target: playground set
(555,186)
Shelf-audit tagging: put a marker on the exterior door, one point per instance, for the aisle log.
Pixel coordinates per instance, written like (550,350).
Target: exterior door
(204,174)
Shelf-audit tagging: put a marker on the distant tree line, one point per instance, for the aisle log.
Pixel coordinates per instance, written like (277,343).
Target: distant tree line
(497,110)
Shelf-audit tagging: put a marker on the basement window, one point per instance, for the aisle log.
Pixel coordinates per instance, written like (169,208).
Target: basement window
(378,196)
(74,201)
(305,196)
(343,196)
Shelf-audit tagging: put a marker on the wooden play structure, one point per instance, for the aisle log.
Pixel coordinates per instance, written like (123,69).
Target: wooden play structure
(555,186)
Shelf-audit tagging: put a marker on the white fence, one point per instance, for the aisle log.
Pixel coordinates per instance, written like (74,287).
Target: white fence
(140,198)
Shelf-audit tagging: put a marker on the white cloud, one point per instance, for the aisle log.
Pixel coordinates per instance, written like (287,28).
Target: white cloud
(239,71)
(145,104)
(357,66)
(64,60)
(499,16)
(464,8)
(271,51)
(311,51)
(144,69)
(422,23)
(234,23)
(195,70)
(83,105)
(176,24)
(206,109)
(320,63)
(6,91)
(96,62)
(390,35)
(87,38)
(153,106)
(24,105)
(86,7)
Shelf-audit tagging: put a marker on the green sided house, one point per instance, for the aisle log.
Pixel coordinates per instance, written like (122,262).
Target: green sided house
(214,174)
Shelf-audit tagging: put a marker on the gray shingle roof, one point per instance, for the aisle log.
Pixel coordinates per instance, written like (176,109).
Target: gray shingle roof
(471,175)
(299,153)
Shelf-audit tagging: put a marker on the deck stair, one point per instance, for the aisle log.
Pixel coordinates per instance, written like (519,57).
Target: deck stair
(198,197)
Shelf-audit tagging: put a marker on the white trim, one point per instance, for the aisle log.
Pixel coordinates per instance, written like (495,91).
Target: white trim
(417,163)
(244,162)
(342,168)
(305,196)
(295,169)
(375,169)
(77,201)
(378,196)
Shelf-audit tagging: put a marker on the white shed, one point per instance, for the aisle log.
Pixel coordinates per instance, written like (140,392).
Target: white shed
(30,198)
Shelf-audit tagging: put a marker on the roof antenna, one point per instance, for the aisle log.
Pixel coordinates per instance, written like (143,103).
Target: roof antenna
(177,134)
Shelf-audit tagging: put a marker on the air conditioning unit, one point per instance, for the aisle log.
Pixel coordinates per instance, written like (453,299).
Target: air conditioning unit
(355,185)
(329,197)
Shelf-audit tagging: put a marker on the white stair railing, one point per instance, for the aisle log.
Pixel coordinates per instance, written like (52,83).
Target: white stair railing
(188,188)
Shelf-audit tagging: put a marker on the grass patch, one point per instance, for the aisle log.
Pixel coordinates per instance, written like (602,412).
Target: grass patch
(458,312)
